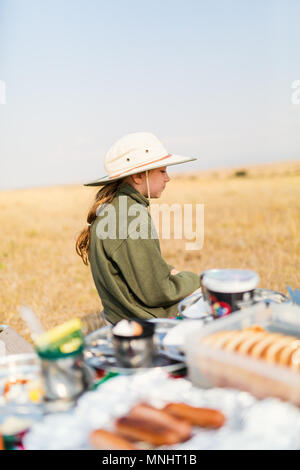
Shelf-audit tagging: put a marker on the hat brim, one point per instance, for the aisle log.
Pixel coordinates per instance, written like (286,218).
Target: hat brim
(172,160)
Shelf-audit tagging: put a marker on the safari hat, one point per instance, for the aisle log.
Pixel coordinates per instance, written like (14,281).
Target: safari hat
(135,153)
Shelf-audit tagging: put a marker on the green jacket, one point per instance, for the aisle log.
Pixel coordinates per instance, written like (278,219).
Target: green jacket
(131,277)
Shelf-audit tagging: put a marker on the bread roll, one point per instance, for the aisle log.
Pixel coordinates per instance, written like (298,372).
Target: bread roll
(285,356)
(247,346)
(274,351)
(260,349)
(220,339)
(236,340)
(255,342)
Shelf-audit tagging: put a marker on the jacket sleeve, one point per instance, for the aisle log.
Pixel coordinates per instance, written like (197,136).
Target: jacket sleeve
(148,275)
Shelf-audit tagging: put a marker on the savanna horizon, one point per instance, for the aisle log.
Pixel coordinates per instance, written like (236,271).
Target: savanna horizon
(251,220)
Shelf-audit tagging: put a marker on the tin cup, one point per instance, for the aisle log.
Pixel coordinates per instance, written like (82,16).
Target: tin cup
(228,290)
(64,372)
(135,351)
(65,379)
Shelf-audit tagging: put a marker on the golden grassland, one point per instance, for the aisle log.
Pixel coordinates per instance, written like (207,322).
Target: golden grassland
(251,221)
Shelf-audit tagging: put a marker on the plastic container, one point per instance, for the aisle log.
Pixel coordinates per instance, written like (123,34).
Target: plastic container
(21,397)
(208,367)
(228,290)
(20,380)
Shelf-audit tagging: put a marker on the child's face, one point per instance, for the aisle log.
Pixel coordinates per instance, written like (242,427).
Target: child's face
(158,178)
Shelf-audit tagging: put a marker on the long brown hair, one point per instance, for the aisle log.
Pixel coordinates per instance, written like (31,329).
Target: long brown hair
(104,195)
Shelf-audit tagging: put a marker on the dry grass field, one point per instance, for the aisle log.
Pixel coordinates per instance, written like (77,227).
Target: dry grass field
(251,221)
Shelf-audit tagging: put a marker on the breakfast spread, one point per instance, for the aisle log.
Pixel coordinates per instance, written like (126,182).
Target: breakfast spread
(92,423)
(166,418)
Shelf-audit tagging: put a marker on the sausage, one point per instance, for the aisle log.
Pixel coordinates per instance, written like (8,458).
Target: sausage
(145,430)
(148,412)
(203,417)
(106,440)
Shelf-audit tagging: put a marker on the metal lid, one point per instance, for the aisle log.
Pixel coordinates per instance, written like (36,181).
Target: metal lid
(230,280)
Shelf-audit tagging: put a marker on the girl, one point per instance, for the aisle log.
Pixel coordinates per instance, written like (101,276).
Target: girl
(131,277)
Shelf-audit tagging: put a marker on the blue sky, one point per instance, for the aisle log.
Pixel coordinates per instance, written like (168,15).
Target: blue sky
(211,78)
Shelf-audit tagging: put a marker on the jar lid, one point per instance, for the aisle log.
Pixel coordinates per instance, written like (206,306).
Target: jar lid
(62,341)
(55,354)
(230,280)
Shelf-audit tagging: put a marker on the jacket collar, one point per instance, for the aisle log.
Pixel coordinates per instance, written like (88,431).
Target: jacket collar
(134,194)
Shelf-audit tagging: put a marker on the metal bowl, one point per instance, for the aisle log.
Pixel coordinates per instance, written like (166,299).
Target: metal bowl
(187,308)
(271,296)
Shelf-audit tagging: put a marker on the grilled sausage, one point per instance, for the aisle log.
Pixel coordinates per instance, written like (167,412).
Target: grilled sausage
(106,440)
(145,430)
(160,417)
(203,417)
